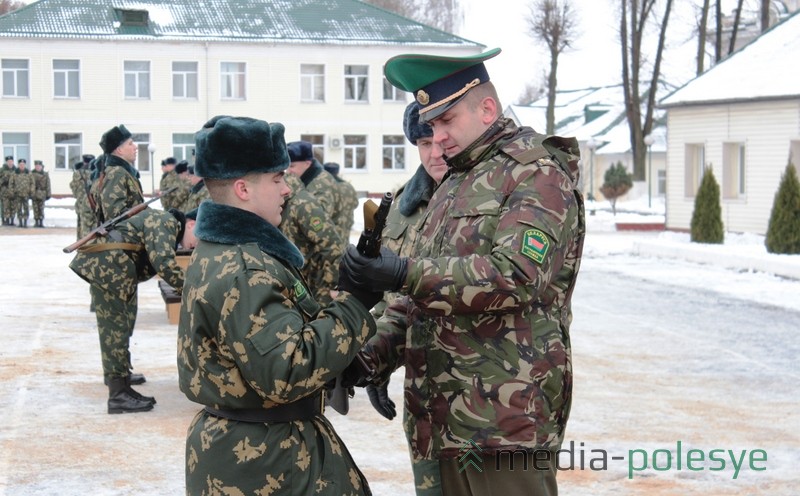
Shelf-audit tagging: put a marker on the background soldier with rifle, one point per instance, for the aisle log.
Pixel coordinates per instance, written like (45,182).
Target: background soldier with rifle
(114,258)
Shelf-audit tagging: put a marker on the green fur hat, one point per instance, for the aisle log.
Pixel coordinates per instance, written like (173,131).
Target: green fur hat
(232,147)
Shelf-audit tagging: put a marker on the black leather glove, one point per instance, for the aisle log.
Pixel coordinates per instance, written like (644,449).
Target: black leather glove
(354,375)
(365,295)
(386,272)
(379,397)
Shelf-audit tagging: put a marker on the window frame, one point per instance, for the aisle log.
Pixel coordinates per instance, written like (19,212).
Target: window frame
(228,78)
(68,82)
(694,167)
(354,82)
(19,76)
(66,150)
(141,80)
(394,152)
(354,152)
(183,79)
(312,85)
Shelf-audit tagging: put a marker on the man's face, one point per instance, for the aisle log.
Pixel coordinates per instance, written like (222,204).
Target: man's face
(431,156)
(22,165)
(127,151)
(299,167)
(38,167)
(268,193)
(189,240)
(10,163)
(459,127)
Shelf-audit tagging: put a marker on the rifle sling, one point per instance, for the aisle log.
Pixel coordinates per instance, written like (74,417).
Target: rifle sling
(110,246)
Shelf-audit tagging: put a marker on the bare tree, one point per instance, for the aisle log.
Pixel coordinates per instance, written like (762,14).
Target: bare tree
(553,22)
(718,37)
(702,29)
(632,64)
(7,6)
(446,15)
(735,29)
(530,94)
(764,15)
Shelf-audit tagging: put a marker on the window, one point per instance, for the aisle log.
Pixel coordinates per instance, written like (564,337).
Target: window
(392,94)
(232,84)
(184,80)
(312,83)
(68,149)
(355,83)
(394,152)
(733,172)
(15,78)
(183,146)
(66,79)
(18,145)
(137,79)
(695,160)
(142,154)
(317,145)
(794,153)
(661,187)
(355,152)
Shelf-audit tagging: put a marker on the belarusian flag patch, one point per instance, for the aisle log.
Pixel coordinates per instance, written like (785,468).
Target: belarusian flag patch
(535,245)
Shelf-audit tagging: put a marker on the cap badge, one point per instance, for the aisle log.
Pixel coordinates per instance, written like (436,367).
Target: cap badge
(423,98)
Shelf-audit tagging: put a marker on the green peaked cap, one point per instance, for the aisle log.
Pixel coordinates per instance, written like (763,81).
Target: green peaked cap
(437,82)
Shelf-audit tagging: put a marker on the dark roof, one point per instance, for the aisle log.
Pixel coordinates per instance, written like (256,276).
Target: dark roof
(274,21)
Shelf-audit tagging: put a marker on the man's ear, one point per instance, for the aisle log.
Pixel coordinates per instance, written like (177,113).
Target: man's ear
(488,109)
(241,189)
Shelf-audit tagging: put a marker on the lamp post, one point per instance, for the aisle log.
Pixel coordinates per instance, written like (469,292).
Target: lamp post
(152,149)
(591,144)
(648,140)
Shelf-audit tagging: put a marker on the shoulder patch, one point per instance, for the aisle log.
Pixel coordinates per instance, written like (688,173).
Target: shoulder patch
(535,245)
(299,290)
(316,223)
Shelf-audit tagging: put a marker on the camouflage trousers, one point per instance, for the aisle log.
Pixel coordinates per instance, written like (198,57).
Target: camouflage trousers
(116,316)
(86,222)
(9,209)
(427,479)
(22,208)
(38,209)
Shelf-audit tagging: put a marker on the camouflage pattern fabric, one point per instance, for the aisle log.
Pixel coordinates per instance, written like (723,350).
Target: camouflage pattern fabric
(251,336)
(322,185)
(176,198)
(6,195)
(488,305)
(308,226)
(114,275)
(81,179)
(41,193)
(197,195)
(23,186)
(117,190)
(349,202)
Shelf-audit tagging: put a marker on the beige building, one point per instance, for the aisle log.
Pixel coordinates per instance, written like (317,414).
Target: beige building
(741,119)
(72,69)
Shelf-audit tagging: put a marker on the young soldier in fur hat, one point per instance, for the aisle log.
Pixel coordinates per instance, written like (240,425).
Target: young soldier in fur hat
(254,348)
(23,186)
(41,192)
(488,286)
(6,195)
(80,184)
(136,250)
(115,182)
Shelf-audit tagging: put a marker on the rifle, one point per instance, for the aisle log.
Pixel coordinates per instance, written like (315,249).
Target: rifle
(369,245)
(105,227)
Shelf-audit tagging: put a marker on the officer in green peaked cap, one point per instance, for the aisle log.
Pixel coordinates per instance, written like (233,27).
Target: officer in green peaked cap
(437,82)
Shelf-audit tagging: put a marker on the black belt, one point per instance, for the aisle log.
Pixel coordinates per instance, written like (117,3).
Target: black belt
(302,409)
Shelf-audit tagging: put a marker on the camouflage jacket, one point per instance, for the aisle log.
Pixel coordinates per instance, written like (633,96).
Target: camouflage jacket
(308,226)
(116,189)
(197,195)
(251,336)
(6,173)
(153,233)
(348,198)
(323,186)
(42,185)
(23,184)
(488,305)
(176,198)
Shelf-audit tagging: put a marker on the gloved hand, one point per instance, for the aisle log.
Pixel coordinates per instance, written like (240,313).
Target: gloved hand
(368,297)
(386,272)
(379,397)
(354,374)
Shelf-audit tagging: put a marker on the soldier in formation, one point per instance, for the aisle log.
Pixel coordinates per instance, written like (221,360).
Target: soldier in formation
(80,184)
(198,192)
(307,225)
(180,195)
(22,187)
(115,182)
(41,192)
(6,195)
(169,179)
(348,198)
(254,348)
(487,290)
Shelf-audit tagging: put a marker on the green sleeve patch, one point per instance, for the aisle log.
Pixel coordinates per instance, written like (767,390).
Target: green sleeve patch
(299,290)
(316,223)
(535,245)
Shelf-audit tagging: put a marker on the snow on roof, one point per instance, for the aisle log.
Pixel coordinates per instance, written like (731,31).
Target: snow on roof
(767,68)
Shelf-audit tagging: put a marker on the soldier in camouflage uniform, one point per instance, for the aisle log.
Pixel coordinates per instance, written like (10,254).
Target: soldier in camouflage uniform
(180,195)
(254,348)
(308,226)
(137,249)
(41,192)
(488,287)
(169,178)
(402,225)
(115,183)
(198,192)
(316,180)
(80,184)
(349,199)
(6,196)
(22,186)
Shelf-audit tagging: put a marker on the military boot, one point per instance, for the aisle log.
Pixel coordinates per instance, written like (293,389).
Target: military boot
(132,380)
(123,399)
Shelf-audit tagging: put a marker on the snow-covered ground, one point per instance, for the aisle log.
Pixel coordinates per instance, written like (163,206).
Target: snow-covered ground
(57,439)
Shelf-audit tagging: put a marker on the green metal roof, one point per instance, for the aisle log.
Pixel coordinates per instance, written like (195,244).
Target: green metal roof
(274,21)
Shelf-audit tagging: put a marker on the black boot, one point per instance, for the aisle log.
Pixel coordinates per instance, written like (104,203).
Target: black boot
(135,379)
(123,399)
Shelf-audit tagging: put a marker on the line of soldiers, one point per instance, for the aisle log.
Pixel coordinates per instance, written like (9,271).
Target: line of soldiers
(21,188)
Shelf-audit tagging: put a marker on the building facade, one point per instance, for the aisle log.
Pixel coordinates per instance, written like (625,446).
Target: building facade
(71,69)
